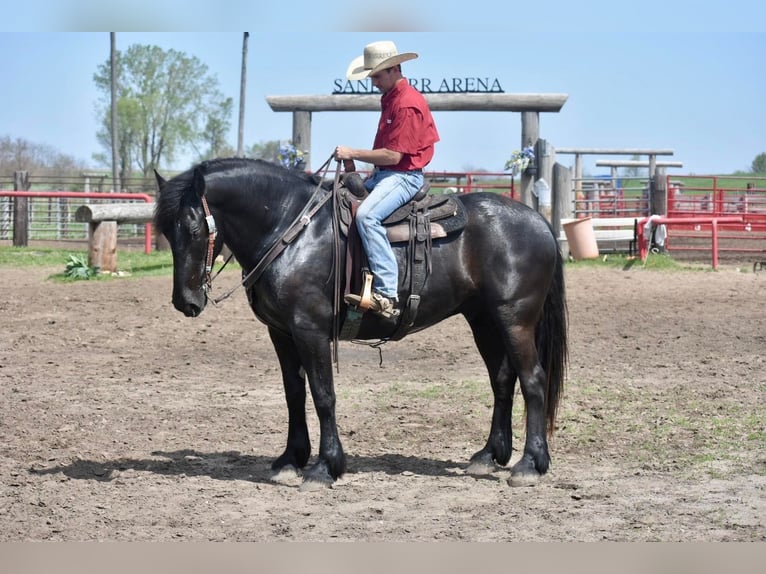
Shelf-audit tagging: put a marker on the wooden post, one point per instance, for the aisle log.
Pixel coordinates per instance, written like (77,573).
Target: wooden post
(20,210)
(102,222)
(242,83)
(659,199)
(102,245)
(161,242)
(302,135)
(578,173)
(562,196)
(530,132)
(544,158)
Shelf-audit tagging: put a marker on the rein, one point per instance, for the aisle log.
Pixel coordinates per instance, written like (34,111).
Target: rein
(296,227)
(300,222)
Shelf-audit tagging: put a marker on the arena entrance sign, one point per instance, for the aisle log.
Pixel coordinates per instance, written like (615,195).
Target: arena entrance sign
(529,105)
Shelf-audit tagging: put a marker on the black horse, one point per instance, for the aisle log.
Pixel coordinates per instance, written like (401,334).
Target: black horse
(503,272)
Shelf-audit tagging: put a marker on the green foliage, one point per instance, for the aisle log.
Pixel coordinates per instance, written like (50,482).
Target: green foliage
(167,102)
(132,263)
(19,154)
(655,261)
(215,131)
(759,164)
(77,268)
(268,151)
(136,263)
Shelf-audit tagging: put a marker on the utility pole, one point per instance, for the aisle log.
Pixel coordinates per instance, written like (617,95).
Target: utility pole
(115,121)
(243,81)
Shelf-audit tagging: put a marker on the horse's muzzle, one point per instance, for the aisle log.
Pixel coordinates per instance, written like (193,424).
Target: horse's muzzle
(190,307)
(191,310)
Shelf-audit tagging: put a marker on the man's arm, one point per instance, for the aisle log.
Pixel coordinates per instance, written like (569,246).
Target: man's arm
(380,156)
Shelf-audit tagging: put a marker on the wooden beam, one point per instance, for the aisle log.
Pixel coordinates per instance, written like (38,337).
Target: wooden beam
(437,102)
(119,212)
(613,151)
(635,163)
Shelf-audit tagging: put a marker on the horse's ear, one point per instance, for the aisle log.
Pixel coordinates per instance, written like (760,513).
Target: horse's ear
(161,181)
(198,182)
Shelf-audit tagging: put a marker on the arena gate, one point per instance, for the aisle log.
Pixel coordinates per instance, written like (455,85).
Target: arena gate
(741,200)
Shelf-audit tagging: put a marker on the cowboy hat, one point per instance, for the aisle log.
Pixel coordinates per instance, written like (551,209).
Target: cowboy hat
(377,56)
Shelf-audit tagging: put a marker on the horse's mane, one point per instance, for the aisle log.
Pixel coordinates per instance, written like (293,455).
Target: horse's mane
(171,193)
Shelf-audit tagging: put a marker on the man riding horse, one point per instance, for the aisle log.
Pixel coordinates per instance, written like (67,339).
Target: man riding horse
(403,146)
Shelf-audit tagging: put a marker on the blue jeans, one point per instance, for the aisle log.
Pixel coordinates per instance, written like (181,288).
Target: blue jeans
(389,191)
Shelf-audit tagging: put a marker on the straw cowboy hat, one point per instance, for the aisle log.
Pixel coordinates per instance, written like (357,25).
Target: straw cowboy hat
(377,56)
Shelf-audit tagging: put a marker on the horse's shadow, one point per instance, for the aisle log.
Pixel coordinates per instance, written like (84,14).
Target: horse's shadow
(232,465)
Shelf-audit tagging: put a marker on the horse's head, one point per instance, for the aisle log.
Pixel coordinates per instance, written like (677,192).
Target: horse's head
(183,218)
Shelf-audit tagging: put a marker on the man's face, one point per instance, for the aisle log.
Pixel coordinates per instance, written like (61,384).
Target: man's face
(385,79)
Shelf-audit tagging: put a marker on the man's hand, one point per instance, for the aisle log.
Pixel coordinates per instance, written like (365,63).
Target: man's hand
(343,152)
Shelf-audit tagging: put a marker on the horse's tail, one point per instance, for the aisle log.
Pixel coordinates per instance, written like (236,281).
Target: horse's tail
(552,341)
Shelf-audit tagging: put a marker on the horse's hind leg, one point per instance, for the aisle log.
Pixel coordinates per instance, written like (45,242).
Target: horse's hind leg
(498,449)
(298,448)
(523,353)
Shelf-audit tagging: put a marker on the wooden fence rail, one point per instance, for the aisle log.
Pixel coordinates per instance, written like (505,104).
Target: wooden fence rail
(102,223)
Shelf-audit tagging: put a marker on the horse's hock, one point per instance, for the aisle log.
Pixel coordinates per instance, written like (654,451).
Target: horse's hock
(102,223)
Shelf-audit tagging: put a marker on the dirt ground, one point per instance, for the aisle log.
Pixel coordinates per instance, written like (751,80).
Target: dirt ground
(123,420)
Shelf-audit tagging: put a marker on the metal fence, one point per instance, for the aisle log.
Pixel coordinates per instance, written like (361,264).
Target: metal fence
(604,196)
(50,211)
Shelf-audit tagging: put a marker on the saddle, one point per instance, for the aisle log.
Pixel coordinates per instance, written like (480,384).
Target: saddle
(416,223)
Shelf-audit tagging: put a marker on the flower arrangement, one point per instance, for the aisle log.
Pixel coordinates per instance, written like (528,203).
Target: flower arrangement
(290,156)
(520,160)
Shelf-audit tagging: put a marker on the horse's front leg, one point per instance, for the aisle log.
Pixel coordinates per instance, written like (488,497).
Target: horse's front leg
(298,448)
(314,350)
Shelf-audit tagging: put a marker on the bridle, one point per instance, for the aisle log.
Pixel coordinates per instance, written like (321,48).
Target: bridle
(212,233)
(316,201)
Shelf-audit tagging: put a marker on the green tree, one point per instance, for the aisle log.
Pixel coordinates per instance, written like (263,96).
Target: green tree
(20,154)
(635,171)
(759,164)
(264,150)
(214,134)
(165,103)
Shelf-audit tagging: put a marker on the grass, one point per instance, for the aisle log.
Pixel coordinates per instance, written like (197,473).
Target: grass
(655,261)
(684,435)
(132,262)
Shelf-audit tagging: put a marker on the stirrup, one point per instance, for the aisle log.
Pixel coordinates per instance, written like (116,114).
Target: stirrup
(364,300)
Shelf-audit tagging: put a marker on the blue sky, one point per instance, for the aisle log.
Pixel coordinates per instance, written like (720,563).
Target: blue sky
(697,90)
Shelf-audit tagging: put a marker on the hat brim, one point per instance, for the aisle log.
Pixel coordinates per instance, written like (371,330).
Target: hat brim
(357,71)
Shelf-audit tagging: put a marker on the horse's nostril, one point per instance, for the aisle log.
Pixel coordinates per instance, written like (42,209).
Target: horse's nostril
(192,310)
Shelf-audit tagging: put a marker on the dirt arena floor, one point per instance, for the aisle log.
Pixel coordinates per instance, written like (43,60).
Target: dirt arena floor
(122,420)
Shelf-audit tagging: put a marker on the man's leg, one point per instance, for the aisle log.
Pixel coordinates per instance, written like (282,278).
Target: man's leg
(393,190)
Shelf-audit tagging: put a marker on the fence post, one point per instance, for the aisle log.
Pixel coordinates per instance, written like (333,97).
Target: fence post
(561,196)
(102,245)
(545,157)
(302,135)
(20,210)
(530,132)
(659,199)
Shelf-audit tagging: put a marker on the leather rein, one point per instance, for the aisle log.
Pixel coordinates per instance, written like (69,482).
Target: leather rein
(296,227)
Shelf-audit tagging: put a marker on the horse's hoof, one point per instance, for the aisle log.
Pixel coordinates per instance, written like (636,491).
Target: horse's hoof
(285,475)
(317,478)
(481,464)
(524,473)
(314,485)
(480,468)
(527,479)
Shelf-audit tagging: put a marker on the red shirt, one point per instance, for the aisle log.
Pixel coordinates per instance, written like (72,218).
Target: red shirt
(406,126)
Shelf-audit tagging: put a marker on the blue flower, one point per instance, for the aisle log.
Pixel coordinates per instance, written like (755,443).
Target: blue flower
(520,160)
(289,156)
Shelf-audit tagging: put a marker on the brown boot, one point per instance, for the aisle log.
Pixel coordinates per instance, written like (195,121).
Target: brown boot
(379,304)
